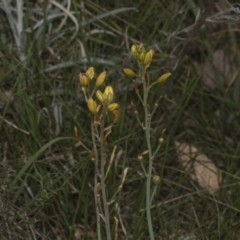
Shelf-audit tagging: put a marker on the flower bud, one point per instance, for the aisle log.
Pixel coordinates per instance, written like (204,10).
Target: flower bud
(100,79)
(161,140)
(83,80)
(138,51)
(141,57)
(111,107)
(156,180)
(148,58)
(108,90)
(90,73)
(129,72)
(134,50)
(109,98)
(105,96)
(163,78)
(100,96)
(92,106)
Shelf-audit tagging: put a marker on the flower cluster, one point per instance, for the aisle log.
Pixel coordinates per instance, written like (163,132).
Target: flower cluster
(140,54)
(144,60)
(105,98)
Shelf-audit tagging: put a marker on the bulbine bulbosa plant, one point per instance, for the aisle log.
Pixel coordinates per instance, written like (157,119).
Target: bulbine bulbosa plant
(102,107)
(144,59)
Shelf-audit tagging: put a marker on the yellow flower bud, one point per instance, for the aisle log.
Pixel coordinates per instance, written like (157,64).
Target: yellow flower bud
(83,80)
(163,78)
(129,72)
(105,96)
(109,98)
(100,96)
(140,49)
(90,73)
(111,107)
(141,57)
(148,58)
(108,90)
(134,50)
(92,106)
(100,79)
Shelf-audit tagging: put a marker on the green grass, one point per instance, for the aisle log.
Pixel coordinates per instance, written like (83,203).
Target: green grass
(47,177)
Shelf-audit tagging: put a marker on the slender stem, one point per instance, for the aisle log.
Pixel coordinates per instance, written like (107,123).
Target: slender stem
(103,187)
(147,134)
(153,193)
(96,194)
(156,151)
(143,169)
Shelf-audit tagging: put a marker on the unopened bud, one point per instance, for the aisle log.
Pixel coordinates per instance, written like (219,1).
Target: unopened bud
(148,58)
(156,180)
(100,79)
(90,73)
(108,90)
(141,57)
(133,49)
(100,96)
(109,98)
(129,72)
(163,78)
(92,106)
(83,80)
(111,107)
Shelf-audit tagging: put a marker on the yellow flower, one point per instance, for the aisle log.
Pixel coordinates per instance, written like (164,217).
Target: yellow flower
(83,80)
(141,57)
(148,58)
(90,73)
(106,97)
(108,90)
(92,106)
(138,51)
(100,96)
(129,72)
(109,98)
(100,79)
(111,107)
(134,50)
(163,78)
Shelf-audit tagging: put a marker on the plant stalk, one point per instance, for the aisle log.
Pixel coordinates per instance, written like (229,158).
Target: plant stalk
(103,187)
(150,161)
(96,195)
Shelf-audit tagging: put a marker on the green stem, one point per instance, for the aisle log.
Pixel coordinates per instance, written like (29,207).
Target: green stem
(96,194)
(103,187)
(147,133)
(153,193)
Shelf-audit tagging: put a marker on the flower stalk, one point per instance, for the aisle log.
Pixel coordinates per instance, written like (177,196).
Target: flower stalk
(100,104)
(102,176)
(144,60)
